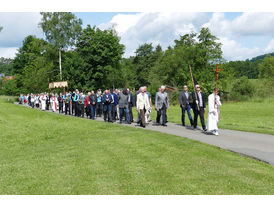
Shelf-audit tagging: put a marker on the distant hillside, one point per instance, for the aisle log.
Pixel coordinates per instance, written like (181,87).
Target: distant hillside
(261,57)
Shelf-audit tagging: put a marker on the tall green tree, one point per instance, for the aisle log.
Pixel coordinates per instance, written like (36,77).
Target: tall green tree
(34,65)
(102,52)
(61,29)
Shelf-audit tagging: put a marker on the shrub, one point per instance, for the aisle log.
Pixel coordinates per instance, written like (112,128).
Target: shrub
(242,89)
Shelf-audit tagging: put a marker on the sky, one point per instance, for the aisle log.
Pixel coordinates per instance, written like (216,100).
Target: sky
(243,35)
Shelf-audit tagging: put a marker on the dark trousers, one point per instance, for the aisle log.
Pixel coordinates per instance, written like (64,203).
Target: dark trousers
(60,107)
(77,109)
(99,109)
(87,110)
(163,117)
(67,108)
(47,105)
(158,117)
(130,112)
(92,111)
(73,108)
(201,114)
(143,119)
(107,115)
(122,111)
(81,108)
(188,109)
(113,112)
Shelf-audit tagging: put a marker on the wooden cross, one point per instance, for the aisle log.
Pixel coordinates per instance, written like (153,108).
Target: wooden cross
(217,76)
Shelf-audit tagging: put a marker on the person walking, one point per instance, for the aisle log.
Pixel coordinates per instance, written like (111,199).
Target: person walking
(87,105)
(107,99)
(161,104)
(67,103)
(123,105)
(142,104)
(184,99)
(93,102)
(199,106)
(213,112)
(99,103)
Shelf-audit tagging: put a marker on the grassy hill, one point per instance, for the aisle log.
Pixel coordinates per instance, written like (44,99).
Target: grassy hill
(45,153)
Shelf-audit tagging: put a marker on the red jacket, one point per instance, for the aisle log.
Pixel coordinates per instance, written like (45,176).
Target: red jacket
(86,102)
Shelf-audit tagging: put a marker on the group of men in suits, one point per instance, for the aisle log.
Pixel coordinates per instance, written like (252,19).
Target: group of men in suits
(196,101)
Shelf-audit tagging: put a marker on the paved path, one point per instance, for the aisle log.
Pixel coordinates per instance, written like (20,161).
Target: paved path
(255,145)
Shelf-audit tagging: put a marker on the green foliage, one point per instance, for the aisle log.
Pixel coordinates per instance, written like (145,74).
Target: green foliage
(242,89)
(34,65)
(61,28)
(101,51)
(6,66)
(267,68)
(9,87)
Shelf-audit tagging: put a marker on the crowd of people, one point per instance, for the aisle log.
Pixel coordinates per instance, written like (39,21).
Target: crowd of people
(115,104)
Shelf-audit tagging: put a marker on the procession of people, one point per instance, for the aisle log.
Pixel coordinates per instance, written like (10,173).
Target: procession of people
(115,104)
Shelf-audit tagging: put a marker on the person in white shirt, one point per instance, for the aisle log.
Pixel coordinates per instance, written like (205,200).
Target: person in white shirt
(142,104)
(213,112)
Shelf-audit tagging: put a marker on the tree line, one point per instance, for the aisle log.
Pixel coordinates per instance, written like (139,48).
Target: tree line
(90,58)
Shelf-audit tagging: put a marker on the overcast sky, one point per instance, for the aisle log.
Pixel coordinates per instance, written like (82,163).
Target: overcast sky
(243,35)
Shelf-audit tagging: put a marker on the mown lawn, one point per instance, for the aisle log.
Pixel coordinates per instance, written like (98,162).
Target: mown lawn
(245,116)
(45,153)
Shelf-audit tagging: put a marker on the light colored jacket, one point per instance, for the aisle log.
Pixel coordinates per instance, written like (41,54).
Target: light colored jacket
(161,99)
(142,101)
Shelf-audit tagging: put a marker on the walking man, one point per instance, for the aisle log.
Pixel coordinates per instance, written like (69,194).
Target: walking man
(93,102)
(185,105)
(161,104)
(199,107)
(142,105)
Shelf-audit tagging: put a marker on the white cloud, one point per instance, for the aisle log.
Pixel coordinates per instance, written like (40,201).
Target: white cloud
(235,51)
(8,52)
(157,28)
(254,24)
(270,47)
(246,24)
(16,26)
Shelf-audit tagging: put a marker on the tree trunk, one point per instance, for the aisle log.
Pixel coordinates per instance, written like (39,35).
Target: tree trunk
(60,66)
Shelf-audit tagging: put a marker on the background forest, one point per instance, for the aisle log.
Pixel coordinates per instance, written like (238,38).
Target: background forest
(92,58)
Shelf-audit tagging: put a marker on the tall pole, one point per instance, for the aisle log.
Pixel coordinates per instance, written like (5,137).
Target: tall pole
(194,87)
(60,65)
(217,76)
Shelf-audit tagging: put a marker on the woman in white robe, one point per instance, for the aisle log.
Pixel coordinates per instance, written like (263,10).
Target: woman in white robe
(53,103)
(43,99)
(213,112)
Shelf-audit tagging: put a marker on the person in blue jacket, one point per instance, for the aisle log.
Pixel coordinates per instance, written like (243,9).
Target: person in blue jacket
(107,99)
(114,103)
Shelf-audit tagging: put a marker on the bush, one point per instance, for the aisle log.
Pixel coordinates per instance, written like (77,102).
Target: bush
(242,89)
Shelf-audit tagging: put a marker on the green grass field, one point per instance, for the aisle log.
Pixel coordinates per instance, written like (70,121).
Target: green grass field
(45,153)
(250,116)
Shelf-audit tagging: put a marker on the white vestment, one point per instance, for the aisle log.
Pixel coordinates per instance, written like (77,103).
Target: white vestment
(212,120)
(54,104)
(43,102)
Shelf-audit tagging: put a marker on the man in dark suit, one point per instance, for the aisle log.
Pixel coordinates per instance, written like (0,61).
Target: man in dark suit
(107,107)
(131,102)
(200,103)
(185,105)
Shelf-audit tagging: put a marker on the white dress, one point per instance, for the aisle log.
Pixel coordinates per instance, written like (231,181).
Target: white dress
(43,102)
(212,120)
(53,104)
